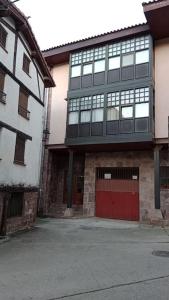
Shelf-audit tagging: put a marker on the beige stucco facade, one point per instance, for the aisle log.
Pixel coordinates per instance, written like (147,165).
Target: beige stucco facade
(161,88)
(58,104)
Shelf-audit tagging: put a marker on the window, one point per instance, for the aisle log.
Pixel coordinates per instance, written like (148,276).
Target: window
(2,80)
(73,111)
(141,110)
(113,113)
(114,63)
(97,115)
(76,58)
(15,205)
(23,104)
(114,49)
(19,149)
(142,42)
(26,64)
(113,99)
(3,37)
(127,60)
(127,97)
(76,71)
(142,95)
(87,69)
(142,57)
(85,116)
(99,53)
(73,118)
(127,112)
(88,55)
(99,66)
(128,46)
(164,177)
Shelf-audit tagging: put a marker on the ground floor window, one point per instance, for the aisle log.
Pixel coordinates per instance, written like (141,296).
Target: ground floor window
(164,177)
(15,205)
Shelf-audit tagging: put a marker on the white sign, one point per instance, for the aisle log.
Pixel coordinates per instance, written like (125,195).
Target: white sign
(107,176)
(134,177)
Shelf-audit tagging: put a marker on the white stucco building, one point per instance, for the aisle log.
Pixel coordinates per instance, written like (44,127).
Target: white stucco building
(23,78)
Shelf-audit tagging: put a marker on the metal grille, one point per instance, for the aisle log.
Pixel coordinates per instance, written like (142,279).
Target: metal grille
(85,103)
(142,95)
(113,99)
(15,205)
(76,58)
(98,101)
(117,173)
(127,97)
(88,55)
(100,53)
(74,104)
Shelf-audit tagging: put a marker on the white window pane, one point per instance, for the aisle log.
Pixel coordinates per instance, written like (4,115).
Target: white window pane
(75,71)
(99,66)
(142,110)
(87,69)
(127,112)
(127,60)
(85,116)
(97,115)
(142,57)
(113,113)
(114,63)
(73,117)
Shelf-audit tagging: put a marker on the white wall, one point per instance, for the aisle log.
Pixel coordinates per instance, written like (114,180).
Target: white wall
(58,104)
(11,173)
(6,57)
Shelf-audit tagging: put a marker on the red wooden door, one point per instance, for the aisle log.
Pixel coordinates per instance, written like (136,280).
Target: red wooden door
(117,199)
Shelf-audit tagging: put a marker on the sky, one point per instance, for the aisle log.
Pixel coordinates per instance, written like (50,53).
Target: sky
(57,22)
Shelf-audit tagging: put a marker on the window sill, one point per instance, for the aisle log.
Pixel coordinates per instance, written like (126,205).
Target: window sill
(23,116)
(3,48)
(19,163)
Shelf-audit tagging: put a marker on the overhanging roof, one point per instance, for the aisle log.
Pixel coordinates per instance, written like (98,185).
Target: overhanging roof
(8,9)
(60,54)
(157,15)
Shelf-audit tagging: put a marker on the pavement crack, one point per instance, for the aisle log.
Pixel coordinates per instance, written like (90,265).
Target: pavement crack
(110,287)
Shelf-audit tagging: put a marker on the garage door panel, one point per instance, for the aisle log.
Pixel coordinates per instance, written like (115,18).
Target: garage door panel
(118,198)
(116,205)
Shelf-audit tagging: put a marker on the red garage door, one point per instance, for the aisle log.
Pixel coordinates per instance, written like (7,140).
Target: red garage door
(117,193)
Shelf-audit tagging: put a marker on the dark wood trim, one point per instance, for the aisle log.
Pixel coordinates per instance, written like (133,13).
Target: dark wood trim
(15,54)
(18,188)
(157,177)
(70,180)
(16,162)
(39,85)
(20,83)
(10,128)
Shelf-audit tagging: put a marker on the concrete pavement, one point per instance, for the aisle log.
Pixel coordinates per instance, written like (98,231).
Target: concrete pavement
(81,259)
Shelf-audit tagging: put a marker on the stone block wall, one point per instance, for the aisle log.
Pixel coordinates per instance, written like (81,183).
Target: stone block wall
(141,159)
(29,214)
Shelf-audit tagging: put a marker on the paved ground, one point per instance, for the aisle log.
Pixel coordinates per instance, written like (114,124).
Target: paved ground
(85,259)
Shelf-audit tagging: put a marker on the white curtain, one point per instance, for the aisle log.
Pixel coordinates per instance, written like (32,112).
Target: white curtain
(113,113)
(73,117)
(85,116)
(97,115)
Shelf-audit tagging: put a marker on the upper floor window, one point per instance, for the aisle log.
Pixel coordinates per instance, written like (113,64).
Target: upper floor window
(2,81)
(87,69)
(26,64)
(75,71)
(99,66)
(19,149)
(114,63)
(3,37)
(23,104)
